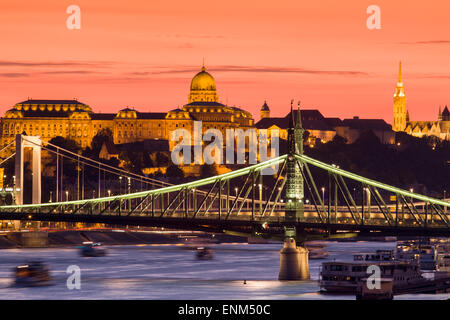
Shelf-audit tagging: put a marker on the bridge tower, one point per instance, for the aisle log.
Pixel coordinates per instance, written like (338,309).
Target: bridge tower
(33,142)
(294,264)
(294,178)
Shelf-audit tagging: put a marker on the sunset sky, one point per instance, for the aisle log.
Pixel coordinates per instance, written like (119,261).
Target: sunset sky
(144,53)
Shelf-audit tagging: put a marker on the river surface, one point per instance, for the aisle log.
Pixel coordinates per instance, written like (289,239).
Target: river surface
(172,272)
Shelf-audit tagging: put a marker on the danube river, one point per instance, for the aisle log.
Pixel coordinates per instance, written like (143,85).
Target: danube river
(173,272)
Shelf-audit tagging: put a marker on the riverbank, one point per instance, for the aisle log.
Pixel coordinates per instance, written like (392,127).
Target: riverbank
(9,240)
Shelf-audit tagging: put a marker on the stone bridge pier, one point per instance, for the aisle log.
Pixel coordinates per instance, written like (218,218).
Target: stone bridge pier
(294,263)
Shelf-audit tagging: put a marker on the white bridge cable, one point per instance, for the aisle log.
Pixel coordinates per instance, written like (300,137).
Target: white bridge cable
(138,177)
(164,190)
(98,163)
(3,161)
(153,181)
(7,146)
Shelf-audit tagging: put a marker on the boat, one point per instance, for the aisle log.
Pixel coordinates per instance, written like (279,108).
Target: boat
(424,252)
(383,292)
(204,253)
(92,249)
(345,276)
(316,250)
(433,254)
(443,258)
(32,274)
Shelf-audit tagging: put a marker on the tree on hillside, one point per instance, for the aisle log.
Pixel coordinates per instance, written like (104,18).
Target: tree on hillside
(174,173)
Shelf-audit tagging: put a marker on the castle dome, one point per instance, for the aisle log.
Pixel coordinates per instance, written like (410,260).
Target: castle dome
(203,81)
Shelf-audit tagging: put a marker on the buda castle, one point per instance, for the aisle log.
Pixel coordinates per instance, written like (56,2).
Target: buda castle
(75,120)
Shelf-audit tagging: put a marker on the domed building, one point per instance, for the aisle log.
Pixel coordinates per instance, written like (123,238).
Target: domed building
(203,87)
(203,105)
(75,120)
(265,111)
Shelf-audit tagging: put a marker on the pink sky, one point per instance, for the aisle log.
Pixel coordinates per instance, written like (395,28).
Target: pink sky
(144,53)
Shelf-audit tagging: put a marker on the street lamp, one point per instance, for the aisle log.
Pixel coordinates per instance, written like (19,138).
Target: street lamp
(323,195)
(51,196)
(67,195)
(236,190)
(120,185)
(109,193)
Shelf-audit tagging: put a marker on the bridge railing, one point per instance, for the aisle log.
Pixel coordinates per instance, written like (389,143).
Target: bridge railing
(217,205)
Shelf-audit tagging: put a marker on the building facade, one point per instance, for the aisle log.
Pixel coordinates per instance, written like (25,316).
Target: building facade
(325,129)
(439,128)
(313,122)
(75,120)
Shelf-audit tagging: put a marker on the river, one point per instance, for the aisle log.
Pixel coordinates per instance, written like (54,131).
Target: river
(173,272)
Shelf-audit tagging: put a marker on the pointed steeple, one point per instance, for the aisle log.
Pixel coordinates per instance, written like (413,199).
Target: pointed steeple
(440,114)
(203,65)
(399,89)
(292,122)
(298,124)
(446,114)
(400,114)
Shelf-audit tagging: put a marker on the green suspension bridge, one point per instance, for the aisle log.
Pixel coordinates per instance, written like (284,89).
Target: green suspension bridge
(294,206)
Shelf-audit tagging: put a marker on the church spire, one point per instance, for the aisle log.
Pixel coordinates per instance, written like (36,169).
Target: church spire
(292,121)
(400,114)
(298,123)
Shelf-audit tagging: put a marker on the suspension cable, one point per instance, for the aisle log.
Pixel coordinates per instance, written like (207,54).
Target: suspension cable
(96,167)
(3,161)
(105,165)
(13,141)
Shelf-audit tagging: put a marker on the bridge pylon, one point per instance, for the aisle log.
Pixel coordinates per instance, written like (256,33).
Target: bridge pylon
(294,179)
(33,142)
(294,264)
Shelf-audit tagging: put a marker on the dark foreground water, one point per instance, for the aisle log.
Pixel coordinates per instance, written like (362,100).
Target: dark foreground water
(172,272)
